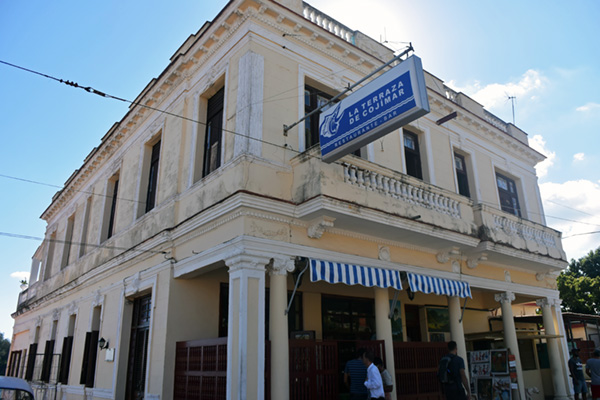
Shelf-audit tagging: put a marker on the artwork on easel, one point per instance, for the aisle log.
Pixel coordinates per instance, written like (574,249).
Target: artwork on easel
(501,388)
(481,369)
(484,388)
(499,361)
(480,356)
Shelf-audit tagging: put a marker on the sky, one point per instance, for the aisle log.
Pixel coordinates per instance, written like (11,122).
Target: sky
(545,53)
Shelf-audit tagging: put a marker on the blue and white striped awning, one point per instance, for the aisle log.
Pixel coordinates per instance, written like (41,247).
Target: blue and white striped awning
(349,274)
(430,284)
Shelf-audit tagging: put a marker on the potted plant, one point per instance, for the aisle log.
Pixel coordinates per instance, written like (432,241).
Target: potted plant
(24,284)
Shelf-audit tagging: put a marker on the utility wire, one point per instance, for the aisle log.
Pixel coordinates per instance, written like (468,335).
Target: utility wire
(16,178)
(580,234)
(89,89)
(98,246)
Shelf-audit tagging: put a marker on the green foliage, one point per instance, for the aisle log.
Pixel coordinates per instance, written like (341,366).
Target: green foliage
(579,284)
(4,349)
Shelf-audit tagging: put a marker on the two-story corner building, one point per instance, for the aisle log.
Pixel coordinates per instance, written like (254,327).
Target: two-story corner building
(200,252)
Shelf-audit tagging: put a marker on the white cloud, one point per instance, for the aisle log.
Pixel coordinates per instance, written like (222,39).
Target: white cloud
(538,143)
(494,95)
(573,208)
(20,275)
(588,107)
(578,157)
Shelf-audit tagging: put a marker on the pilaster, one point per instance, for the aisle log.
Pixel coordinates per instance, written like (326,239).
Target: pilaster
(246,333)
(278,327)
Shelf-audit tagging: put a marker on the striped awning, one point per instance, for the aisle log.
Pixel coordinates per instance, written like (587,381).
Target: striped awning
(349,274)
(430,284)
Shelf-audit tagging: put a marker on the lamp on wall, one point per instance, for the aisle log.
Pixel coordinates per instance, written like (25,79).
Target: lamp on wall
(103,344)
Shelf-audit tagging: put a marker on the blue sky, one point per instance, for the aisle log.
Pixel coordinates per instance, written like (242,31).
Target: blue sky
(546,53)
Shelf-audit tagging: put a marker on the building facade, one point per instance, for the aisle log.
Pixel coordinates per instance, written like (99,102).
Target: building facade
(201,251)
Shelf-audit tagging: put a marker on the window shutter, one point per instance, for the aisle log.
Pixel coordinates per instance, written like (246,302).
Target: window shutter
(65,359)
(31,361)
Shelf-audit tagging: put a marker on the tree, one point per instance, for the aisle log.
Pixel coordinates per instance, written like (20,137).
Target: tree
(4,349)
(579,284)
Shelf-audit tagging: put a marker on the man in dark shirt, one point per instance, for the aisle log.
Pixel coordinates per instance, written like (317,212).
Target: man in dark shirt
(356,371)
(576,369)
(456,390)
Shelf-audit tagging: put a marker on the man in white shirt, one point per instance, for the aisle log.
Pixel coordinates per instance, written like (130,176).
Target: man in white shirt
(373,382)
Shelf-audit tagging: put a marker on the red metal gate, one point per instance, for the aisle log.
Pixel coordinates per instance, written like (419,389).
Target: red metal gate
(314,371)
(416,370)
(201,370)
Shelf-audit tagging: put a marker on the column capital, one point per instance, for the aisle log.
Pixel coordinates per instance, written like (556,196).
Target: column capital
(548,302)
(281,266)
(506,297)
(241,260)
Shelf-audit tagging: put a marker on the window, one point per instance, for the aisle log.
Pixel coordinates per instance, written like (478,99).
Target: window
(313,99)
(65,358)
(462,178)
(49,355)
(68,240)
(507,191)
(153,177)
(84,229)
(50,256)
(90,350)
(347,318)
(138,348)
(412,155)
(214,132)
(13,365)
(110,207)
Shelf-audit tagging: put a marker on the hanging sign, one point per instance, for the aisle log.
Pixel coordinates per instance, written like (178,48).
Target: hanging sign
(388,102)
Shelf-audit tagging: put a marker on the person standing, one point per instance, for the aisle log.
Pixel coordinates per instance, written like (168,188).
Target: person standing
(373,382)
(388,383)
(576,370)
(592,368)
(356,372)
(455,390)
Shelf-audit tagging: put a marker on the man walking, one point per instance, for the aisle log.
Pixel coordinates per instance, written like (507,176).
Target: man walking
(356,372)
(373,382)
(592,368)
(576,369)
(455,389)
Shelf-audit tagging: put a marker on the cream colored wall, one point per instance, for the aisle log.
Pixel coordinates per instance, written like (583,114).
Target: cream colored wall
(193,314)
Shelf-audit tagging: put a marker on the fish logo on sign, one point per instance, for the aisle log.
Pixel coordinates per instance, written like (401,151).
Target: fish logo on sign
(331,123)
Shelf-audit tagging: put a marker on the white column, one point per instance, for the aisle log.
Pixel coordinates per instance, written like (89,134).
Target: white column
(510,334)
(457,330)
(278,328)
(556,364)
(383,328)
(246,332)
(563,345)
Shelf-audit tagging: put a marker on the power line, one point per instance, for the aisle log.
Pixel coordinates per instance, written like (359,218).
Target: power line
(581,234)
(89,89)
(16,178)
(98,246)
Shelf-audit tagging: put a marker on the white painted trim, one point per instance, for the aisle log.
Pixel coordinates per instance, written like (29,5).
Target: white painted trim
(194,144)
(250,97)
(428,154)
(371,152)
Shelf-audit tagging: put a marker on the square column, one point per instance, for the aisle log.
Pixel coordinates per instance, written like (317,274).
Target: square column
(246,332)
(278,328)
(510,335)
